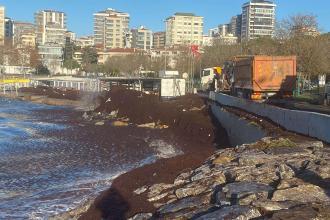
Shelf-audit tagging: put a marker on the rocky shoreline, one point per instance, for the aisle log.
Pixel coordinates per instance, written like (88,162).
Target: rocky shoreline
(270,179)
(284,176)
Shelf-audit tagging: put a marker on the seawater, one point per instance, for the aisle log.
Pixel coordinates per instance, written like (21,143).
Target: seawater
(44,171)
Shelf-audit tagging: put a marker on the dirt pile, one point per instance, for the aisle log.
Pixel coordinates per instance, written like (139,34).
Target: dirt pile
(189,124)
(188,115)
(55,93)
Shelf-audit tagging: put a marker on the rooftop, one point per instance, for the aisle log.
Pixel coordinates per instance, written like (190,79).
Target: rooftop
(259,2)
(184,14)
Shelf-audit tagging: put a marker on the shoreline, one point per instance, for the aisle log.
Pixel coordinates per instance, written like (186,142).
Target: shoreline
(195,151)
(147,191)
(81,105)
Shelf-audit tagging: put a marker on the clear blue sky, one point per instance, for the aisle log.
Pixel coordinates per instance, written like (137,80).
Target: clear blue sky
(151,13)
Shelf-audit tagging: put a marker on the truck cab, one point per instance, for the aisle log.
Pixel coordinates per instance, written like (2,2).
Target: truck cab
(208,81)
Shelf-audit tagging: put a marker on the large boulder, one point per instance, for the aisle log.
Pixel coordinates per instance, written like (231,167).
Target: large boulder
(303,193)
(185,203)
(246,192)
(232,212)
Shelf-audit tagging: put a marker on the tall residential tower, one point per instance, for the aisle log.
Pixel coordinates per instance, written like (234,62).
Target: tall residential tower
(110,28)
(258,19)
(2,25)
(184,29)
(50,27)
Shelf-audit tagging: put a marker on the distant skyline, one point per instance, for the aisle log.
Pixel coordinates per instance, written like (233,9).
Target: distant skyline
(152,13)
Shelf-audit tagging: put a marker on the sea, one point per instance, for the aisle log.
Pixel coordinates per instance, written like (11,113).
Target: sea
(50,165)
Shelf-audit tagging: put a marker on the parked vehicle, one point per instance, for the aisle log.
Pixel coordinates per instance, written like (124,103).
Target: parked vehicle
(209,78)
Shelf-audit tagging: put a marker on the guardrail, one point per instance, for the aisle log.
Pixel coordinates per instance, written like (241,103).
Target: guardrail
(307,123)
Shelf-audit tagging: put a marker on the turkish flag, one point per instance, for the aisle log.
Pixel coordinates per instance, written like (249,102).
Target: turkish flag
(195,50)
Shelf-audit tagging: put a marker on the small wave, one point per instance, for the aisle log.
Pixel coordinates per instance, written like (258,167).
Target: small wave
(164,149)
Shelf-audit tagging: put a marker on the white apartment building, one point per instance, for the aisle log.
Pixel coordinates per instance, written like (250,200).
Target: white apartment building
(2,25)
(184,29)
(142,38)
(52,57)
(110,28)
(50,27)
(24,34)
(85,41)
(258,19)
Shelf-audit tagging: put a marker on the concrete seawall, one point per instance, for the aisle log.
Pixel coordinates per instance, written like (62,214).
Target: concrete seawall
(240,131)
(307,123)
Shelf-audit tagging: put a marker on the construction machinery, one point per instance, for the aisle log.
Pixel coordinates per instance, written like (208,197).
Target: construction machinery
(257,77)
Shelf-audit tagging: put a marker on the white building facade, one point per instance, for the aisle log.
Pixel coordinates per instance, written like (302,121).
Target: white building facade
(142,38)
(110,28)
(258,19)
(184,29)
(50,27)
(2,25)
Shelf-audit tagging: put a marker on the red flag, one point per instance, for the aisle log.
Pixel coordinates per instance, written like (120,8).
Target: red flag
(195,50)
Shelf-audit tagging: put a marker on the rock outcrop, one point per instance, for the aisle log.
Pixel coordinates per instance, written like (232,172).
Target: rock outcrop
(271,179)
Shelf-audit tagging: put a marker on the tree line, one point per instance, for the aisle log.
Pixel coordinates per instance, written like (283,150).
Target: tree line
(296,35)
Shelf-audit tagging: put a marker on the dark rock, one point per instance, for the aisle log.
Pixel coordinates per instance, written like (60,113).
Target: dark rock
(288,151)
(141,216)
(240,190)
(186,203)
(232,212)
(187,213)
(221,199)
(255,158)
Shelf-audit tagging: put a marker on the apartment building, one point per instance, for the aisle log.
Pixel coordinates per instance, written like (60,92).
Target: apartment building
(24,34)
(52,57)
(159,40)
(236,25)
(50,27)
(110,28)
(142,38)
(85,41)
(70,36)
(8,28)
(258,19)
(224,29)
(213,32)
(184,29)
(2,25)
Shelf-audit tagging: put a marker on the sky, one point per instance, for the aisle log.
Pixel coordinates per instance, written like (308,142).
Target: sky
(152,13)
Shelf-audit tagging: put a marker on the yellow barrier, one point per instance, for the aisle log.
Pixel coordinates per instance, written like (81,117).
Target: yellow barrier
(9,81)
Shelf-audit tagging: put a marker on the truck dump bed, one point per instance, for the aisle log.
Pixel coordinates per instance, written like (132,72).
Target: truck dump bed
(265,74)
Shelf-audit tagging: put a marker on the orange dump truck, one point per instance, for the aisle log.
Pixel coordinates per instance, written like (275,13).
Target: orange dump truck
(259,77)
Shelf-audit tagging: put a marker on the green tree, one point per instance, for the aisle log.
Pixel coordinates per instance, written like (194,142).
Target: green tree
(89,59)
(42,70)
(71,64)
